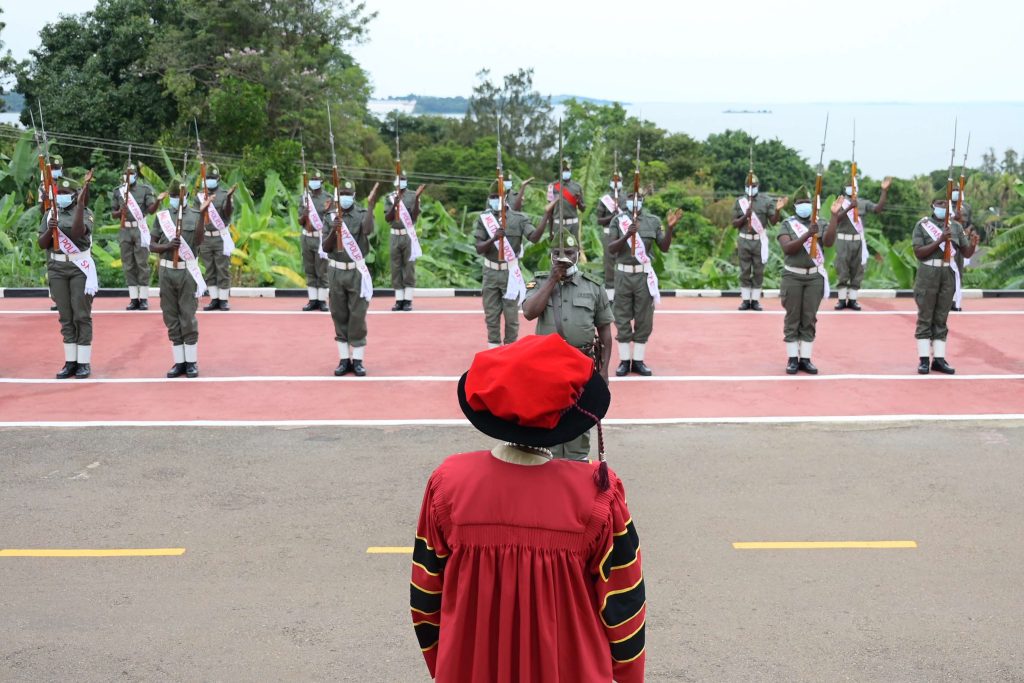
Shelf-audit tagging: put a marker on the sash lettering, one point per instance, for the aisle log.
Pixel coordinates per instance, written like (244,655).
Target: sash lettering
(218,222)
(858,225)
(136,212)
(348,242)
(414,242)
(184,251)
(641,255)
(819,263)
(758,226)
(83,261)
(516,288)
(935,232)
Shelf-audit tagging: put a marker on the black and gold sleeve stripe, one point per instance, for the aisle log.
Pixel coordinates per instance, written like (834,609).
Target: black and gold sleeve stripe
(424,601)
(630,647)
(622,605)
(428,633)
(426,558)
(625,545)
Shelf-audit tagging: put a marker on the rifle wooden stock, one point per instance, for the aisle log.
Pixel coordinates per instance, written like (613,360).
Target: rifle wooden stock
(814,216)
(337,207)
(636,211)
(124,200)
(181,214)
(49,201)
(853,184)
(502,218)
(947,252)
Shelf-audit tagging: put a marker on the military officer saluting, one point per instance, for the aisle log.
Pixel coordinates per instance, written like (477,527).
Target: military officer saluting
(636,284)
(217,246)
(312,218)
(851,247)
(574,306)
(804,277)
(504,287)
(610,204)
(346,242)
(937,282)
(133,237)
(401,210)
(569,195)
(176,236)
(753,214)
(66,234)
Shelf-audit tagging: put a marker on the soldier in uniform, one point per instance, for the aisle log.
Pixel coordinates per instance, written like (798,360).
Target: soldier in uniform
(574,306)
(569,195)
(178,300)
(135,256)
(216,265)
(68,281)
(849,247)
(634,302)
(314,266)
(748,246)
(496,272)
(57,171)
(403,268)
(610,204)
(804,282)
(348,303)
(935,284)
(965,217)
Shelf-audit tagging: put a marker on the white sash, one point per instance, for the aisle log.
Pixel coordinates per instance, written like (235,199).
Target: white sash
(819,263)
(858,225)
(936,234)
(84,262)
(218,222)
(758,227)
(318,225)
(641,255)
(551,192)
(185,253)
(136,212)
(610,203)
(348,242)
(516,288)
(403,214)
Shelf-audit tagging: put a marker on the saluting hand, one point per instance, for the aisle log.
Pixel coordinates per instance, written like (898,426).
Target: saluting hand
(780,203)
(162,196)
(886,183)
(526,182)
(837,206)
(558,269)
(373,193)
(674,217)
(88,177)
(419,190)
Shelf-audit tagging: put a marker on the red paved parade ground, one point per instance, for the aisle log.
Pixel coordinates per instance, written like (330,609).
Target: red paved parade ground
(266,361)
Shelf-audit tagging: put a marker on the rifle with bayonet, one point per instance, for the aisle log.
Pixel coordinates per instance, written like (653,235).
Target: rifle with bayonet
(335,179)
(202,162)
(963,180)
(816,206)
(616,178)
(305,183)
(561,188)
(45,166)
(947,253)
(636,196)
(853,174)
(127,189)
(503,219)
(182,193)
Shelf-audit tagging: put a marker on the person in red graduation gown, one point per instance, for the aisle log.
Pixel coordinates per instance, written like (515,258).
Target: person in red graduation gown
(527,568)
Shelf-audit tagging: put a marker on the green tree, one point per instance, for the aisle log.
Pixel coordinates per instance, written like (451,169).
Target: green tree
(6,60)
(780,169)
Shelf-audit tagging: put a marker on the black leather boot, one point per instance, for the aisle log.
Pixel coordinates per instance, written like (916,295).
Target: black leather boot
(841,305)
(853,305)
(143,304)
(133,305)
(323,306)
(191,370)
(755,305)
(922,367)
(311,305)
(398,305)
(407,305)
(807,366)
(214,305)
(357,368)
(224,306)
(624,368)
(177,370)
(641,369)
(792,365)
(344,367)
(82,371)
(68,370)
(745,306)
(940,365)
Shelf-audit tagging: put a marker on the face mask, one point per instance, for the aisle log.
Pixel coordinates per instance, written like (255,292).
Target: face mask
(494,203)
(849,190)
(956,196)
(402,184)
(572,258)
(174,203)
(508,185)
(346,201)
(803,210)
(132,179)
(64,200)
(315,184)
(57,172)
(615,186)
(629,205)
(940,212)
(211,184)
(566,175)
(751,191)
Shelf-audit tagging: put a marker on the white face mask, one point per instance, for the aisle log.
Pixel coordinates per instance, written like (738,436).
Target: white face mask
(346,201)
(57,172)
(849,190)
(956,196)
(566,175)
(803,210)
(508,185)
(639,205)
(940,212)
(402,184)
(494,203)
(64,200)
(751,191)
(615,185)
(315,184)
(211,183)
(174,203)
(132,179)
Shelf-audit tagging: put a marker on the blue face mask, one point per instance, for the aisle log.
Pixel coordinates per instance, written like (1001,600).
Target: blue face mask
(803,210)
(346,201)
(402,184)
(211,183)
(174,203)
(494,203)
(315,184)
(630,204)
(57,172)
(566,175)
(956,196)
(940,212)
(64,200)
(132,179)
(508,185)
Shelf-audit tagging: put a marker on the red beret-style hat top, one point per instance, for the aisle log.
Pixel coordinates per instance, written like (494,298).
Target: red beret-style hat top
(531,383)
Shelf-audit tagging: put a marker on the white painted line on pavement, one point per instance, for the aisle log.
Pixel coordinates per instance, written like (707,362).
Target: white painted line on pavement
(479,311)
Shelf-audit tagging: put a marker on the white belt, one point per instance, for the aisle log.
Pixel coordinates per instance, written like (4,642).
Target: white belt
(311,233)
(629,269)
(131,224)
(65,258)
(213,233)
(567,221)
(801,271)
(164,263)
(399,231)
(342,265)
(750,236)
(847,237)
(607,231)
(936,263)
(494,265)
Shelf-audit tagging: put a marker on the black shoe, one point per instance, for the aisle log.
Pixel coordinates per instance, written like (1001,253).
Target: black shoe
(68,370)
(191,370)
(853,305)
(841,305)
(922,367)
(143,304)
(324,307)
(53,307)
(940,365)
(407,305)
(399,305)
(311,305)
(224,305)
(177,370)
(641,369)
(807,366)
(745,306)
(357,368)
(133,305)
(792,365)
(344,367)
(214,305)
(82,371)
(956,309)
(755,305)
(623,368)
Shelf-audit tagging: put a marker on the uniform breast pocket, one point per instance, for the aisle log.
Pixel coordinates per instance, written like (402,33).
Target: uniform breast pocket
(586,302)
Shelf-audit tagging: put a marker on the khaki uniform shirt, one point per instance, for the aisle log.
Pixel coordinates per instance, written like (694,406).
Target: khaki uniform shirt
(517,227)
(189,224)
(921,238)
(408,198)
(584,307)
(864,207)
(65,219)
(800,259)
(353,219)
(649,230)
(764,208)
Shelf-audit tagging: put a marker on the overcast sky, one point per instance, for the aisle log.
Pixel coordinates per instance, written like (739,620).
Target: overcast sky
(718,51)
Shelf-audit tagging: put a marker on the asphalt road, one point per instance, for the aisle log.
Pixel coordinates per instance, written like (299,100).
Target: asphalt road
(276,584)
